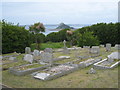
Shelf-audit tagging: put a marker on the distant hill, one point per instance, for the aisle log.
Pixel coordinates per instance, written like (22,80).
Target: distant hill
(64,26)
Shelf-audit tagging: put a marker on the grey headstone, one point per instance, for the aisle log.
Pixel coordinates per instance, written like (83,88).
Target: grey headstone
(95,50)
(46,57)
(28,50)
(117,46)
(36,53)
(50,50)
(108,47)
(28,58)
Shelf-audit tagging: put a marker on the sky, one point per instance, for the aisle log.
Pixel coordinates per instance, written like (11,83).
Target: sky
(27,12)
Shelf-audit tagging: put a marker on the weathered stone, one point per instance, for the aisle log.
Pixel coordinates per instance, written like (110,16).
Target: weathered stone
(102,46)
(117,46)
(86,46)
(92,71)
(28,50)
(12,58)
(50,50)
(36,53)
(46,57)
(108,47)
(95,50)
(65,49)
(28,58)
(114,55)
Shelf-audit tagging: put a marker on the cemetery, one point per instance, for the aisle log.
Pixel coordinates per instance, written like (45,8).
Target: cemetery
(49,64)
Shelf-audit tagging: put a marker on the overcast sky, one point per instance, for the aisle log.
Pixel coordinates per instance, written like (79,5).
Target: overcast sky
(57,11)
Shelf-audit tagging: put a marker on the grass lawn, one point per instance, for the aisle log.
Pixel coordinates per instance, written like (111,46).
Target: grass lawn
(77,79)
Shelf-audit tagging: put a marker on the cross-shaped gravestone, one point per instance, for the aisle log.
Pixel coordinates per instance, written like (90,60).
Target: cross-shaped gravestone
(64,42)
(65,51)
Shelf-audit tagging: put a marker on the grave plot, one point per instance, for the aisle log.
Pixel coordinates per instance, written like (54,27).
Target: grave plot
(108,63)
(26,69)
(54,72)
(7,59)
(84,63)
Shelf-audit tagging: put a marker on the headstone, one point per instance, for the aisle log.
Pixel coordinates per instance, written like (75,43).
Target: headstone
(65,49)
(86,46)
(95,50)
(28,58)
(108,47)
(46,57)
(28,50)
(64,42)
(36,53)
(102,46)
(12,58)
(92,71)
(117,46)
(50,50)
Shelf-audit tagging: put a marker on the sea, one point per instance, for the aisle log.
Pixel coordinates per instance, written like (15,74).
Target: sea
(49,28)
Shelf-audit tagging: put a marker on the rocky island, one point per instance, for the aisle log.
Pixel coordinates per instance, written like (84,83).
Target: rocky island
(64,26)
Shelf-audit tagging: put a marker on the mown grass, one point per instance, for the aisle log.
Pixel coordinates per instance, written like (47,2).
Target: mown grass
(77,79)
(48,45)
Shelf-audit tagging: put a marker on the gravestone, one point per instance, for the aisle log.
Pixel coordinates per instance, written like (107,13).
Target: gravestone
(28,58)
(65,49)
(86,46)
(102,46)
(28,50)
(36,55)
(117,46)
(108,47)
(50,50)
(95,50)
(46,57)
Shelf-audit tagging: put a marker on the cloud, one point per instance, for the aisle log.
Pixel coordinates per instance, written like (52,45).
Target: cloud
(58,11)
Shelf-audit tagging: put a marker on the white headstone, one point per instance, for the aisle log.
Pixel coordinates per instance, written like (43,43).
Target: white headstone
(36,53)
(28,58)
(27,50)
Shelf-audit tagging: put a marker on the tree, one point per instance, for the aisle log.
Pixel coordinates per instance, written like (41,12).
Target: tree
(14,38)
(36,29)
(87,39)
